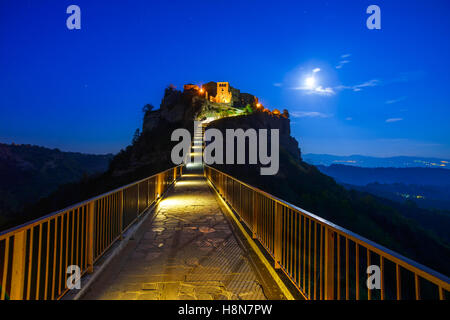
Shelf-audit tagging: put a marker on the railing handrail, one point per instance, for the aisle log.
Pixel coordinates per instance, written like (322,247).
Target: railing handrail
(36,221)
(423,271)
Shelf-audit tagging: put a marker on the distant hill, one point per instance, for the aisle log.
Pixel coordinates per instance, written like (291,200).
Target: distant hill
(362,176)
(28,173)
(432,197)
(373,162)
(425,187)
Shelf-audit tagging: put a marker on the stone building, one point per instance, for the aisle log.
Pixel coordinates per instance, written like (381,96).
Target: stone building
(222,92)
(191,86)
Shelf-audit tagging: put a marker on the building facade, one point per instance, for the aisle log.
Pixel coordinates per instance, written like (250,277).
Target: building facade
(215,92)
(223,93)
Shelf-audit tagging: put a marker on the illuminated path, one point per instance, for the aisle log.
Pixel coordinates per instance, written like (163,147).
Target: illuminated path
(188,251)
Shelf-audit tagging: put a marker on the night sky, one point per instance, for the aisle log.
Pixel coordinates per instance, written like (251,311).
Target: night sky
(378,92)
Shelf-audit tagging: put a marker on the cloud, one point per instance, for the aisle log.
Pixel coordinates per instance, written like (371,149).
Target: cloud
(393,120)
(349,118)
(395,100)
(317,90)
(324,91)
(308,114)
(370,83)
(359,87)
(341,63)
(277,84)
(316,70)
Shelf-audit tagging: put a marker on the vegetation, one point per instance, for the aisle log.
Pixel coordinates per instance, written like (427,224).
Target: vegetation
(248,109)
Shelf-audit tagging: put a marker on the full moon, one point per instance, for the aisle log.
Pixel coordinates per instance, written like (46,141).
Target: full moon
(310,81)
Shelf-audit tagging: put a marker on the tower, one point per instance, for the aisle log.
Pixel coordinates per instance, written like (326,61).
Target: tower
(223,92)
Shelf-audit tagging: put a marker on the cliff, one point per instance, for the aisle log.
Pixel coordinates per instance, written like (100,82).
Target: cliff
(263,120)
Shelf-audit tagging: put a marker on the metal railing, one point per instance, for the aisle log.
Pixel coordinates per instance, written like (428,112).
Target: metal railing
(323,260)
(34,256)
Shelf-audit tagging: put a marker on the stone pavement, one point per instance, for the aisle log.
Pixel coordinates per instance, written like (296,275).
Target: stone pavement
(188,251)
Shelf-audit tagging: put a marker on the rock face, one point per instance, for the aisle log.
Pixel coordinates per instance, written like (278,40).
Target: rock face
(262,120)
(175,107)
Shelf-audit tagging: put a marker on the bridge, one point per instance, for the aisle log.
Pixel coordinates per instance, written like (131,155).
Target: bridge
(194,232)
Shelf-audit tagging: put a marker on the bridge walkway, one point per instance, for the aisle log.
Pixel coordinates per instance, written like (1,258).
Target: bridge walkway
(186,250)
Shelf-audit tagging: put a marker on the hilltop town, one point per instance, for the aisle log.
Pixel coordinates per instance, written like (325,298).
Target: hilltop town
(230,99)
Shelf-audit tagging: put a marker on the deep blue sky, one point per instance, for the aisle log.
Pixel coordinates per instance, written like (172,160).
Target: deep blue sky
(83,90)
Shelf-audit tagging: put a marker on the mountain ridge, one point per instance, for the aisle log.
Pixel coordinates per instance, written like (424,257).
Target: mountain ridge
(362,175)
(372,162)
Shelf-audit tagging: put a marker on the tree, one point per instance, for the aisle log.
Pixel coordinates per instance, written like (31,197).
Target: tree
(248,109)
(147,108)
(136,136)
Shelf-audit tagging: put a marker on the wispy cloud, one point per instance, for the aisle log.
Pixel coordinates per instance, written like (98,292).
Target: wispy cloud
(341,63)
(324,91)
(395,100)
(328,91)
(359,87)
(316,70)
(349,118)
(308,114)
(393,120)
(277,84)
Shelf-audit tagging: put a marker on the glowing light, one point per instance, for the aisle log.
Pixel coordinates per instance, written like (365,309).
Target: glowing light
(194,165)
(201,90)
(310,82)
(189,183)
(196,154)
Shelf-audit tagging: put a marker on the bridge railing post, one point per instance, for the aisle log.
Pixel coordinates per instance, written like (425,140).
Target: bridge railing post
(91,240)
(329,264)
(18,265)
(278,226)
(121,214)
(255,216)
(137,202)
(239,207)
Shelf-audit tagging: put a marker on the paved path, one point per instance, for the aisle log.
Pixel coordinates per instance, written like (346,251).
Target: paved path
(188,251)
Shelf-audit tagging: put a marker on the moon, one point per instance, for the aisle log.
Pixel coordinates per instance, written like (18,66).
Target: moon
(310,82)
